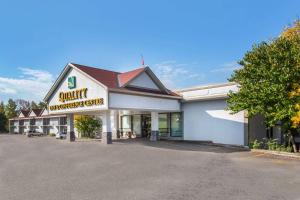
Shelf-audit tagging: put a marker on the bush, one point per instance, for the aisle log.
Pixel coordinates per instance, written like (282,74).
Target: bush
(87,126)
(272,144)
(256,144)
(289,149)
(52,134)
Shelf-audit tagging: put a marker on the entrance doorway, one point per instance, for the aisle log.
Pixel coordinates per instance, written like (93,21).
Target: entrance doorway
(146,125)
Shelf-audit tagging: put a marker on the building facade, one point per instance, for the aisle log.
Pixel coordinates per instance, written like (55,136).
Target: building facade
(136,104)
(38,120)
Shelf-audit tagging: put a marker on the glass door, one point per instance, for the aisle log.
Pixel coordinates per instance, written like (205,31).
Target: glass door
(146,125)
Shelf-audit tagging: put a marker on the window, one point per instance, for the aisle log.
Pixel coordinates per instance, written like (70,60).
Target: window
(136,125)
(32,122)
(164,125)
(63,121)
(176,125)
(46,121)
(21,123)
(126,123)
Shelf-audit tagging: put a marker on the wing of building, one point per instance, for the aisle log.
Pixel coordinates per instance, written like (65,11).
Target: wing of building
(135,104)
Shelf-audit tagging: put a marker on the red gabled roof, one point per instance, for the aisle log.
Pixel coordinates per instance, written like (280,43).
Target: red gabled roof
(126,77)
(116,80)
(106,77)
(37,111)
(25,112)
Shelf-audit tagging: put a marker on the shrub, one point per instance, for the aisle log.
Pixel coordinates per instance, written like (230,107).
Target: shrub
(256,144)
(87,126)
(289,149)
(272,144)
(52,134)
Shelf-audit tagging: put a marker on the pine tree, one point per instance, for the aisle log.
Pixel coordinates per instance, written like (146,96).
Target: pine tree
(11,109)
(3,118)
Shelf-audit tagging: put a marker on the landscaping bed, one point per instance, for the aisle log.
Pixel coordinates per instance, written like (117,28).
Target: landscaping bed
(277,153)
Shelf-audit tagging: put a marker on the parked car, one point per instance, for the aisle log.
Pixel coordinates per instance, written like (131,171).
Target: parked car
(61,135)
(33,133)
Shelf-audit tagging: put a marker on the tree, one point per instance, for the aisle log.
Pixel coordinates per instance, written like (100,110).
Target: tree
(2,107)
(33,105)
(22,104)
(87,126)
(11,109)
(42,105)
(292,31)
(3,118)
(268,78)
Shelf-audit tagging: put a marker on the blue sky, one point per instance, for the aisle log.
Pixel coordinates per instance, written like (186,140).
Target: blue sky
(186,43)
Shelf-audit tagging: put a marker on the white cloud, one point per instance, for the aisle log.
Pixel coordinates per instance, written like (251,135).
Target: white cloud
(173,75)
(31,85)
(227,67)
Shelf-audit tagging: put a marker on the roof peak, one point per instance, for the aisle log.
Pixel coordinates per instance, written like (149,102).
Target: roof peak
(93,67)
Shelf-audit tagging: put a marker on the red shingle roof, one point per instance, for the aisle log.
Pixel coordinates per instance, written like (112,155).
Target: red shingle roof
(25,112)
(128,76)
(37,112)
(106,77)
(116,80)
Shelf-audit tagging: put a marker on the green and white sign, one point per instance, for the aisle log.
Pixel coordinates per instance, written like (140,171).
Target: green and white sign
(71,82)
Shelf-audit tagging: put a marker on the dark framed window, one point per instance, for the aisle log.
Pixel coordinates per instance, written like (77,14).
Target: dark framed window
(176,125)
(32,121)
(63,121)
(164,124)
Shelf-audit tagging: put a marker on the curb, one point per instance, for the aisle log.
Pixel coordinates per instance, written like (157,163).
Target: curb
(277,153)
(87,140)
(210,143)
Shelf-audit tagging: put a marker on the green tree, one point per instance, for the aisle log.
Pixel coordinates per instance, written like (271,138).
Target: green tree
(2,107)
(34,105)
(87,126)
(42,105)
(267,78)
(3,118)
(11,109)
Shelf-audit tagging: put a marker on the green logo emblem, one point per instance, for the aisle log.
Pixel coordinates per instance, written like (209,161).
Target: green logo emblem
(72,82)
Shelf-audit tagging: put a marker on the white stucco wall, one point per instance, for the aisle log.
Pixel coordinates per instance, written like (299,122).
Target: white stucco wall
(32,114)
(16,123)
(207,91)
(82,81)
(26,125)
(208,120)
(125,101)
(54,122)
(39,123)
(144,81)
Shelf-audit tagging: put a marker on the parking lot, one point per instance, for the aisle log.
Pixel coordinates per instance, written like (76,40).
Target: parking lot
(46,168)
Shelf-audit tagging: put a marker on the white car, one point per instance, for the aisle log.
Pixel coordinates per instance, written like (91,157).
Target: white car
(61,135)
(33,133)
